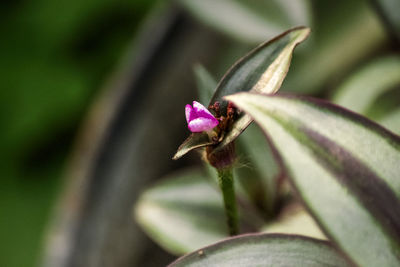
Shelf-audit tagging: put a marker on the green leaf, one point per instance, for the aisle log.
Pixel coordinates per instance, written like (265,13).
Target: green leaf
(389,10)
(265,250)
(345,168)
(392,121)
(258,177)
(295,220)
(182,213)
(261,170)
(195,140)
(360,91)
(261,70)
(384,105)
(374,92)
(347,34)
(206,84)
(250,21)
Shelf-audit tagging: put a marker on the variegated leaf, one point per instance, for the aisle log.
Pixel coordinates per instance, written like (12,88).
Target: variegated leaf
(262,70)
(345,168)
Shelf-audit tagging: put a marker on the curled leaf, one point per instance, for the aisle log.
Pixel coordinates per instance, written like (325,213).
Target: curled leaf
(262,70)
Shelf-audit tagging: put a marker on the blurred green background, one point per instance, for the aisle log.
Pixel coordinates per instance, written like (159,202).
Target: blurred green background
(54,56)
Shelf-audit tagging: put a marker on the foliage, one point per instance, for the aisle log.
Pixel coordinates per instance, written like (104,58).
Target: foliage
(342,167)
(306,167)
(250,250)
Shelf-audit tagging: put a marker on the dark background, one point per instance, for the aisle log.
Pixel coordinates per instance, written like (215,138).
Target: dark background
(54,57)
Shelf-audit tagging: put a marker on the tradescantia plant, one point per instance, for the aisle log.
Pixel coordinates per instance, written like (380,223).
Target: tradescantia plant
(343,167)
(262,70)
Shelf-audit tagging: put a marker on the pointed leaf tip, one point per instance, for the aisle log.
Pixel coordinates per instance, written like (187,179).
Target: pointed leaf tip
(262,70)
(195,140)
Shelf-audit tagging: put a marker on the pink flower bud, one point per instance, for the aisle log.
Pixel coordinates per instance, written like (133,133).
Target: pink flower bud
(199,119)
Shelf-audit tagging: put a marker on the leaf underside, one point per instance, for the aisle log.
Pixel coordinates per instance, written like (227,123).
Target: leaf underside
(344,167)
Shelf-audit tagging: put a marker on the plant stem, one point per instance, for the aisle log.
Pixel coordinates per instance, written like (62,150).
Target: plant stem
(225,179)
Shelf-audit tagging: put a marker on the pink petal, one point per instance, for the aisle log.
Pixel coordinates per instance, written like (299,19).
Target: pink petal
(202,124)
(201,111)
(190,113)
(199,119)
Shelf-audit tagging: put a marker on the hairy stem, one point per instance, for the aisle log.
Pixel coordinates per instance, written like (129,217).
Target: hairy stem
(225,180)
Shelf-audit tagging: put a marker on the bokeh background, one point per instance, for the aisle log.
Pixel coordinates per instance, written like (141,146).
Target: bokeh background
(55,55)
(67,65)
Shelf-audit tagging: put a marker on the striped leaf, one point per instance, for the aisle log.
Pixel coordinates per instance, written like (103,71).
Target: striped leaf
(265,250)
(260,180)
(262,70)
(345,168)
(182,213)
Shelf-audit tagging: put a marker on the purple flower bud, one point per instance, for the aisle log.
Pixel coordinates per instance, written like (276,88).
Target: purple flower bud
(199,119)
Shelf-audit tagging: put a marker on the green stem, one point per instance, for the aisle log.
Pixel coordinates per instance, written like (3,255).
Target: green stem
(225,179)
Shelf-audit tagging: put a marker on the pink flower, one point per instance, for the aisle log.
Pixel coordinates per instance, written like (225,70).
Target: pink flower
(199,119)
